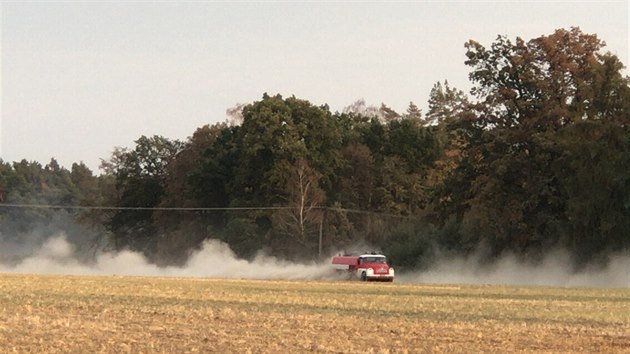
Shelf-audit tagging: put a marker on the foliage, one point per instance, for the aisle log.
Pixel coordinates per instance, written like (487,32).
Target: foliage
(537,157)
(537,119)
(140,184)
(24,229)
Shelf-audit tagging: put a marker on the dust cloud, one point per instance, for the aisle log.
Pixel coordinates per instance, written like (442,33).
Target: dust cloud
(213,260)
(216,260)
(554,270)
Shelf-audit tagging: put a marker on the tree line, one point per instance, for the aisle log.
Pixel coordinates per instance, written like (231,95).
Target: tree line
(536,157)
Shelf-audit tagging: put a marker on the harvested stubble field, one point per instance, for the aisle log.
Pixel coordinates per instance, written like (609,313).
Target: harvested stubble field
(77,314)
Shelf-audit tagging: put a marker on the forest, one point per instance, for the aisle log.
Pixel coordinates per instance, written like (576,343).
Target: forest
(535,157)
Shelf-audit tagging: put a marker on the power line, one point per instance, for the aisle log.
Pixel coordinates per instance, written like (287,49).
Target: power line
(82,207)
(367,212)
(96,207)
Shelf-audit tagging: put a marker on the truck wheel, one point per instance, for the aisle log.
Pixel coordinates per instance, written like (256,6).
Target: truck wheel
(363,276)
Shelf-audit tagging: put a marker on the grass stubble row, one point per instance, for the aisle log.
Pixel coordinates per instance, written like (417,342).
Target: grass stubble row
(79,314)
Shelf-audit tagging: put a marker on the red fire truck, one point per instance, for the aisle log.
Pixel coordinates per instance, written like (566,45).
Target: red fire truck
(369,266)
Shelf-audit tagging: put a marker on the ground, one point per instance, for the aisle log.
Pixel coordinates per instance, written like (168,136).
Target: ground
(184,315)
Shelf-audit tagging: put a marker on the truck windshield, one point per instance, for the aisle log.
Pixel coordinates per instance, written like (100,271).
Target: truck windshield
(374,260)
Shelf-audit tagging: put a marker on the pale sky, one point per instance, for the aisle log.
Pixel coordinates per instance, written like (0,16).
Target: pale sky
(79,79)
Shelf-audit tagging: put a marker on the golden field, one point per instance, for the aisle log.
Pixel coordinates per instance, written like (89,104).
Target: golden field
(82,314)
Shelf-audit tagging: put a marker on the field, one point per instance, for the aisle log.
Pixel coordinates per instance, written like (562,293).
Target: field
(180,315)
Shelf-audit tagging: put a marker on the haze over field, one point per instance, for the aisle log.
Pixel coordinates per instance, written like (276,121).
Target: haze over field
(216,260)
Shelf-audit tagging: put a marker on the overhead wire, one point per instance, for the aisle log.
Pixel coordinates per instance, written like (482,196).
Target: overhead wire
(98,207)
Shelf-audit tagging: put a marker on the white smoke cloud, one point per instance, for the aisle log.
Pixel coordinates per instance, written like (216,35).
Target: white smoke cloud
(554,270)
(216,260)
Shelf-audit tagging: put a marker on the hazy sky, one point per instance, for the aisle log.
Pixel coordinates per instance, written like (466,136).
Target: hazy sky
(79,79)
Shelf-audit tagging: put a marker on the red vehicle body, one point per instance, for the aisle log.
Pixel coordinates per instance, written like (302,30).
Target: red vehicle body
(365,267)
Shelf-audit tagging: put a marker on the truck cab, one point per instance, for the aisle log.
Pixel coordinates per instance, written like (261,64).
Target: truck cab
(367,267)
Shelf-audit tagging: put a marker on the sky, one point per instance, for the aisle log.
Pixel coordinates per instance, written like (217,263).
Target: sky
(80,78)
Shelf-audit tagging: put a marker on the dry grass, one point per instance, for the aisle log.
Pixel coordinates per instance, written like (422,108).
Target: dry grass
(165,315)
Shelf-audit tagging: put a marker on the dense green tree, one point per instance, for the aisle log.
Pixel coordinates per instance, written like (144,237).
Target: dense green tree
(255,163)
(268,142)
(187,186)
(594,169)
(275,134)
(356,178)
(412,142)
(351,127)
(140,181)
(24,228)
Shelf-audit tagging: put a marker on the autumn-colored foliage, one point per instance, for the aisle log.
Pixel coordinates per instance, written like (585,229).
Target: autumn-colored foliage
(536,158)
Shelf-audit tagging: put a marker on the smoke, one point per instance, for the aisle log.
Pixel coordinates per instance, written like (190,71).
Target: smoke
(214,259)
(554,270)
